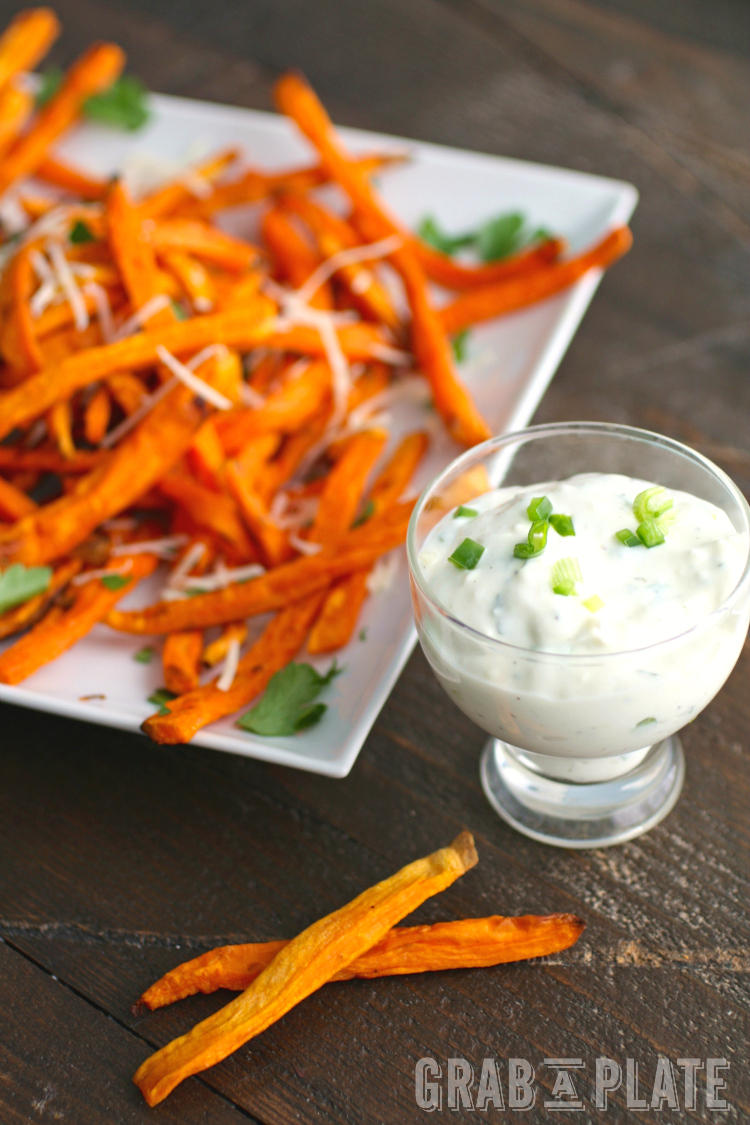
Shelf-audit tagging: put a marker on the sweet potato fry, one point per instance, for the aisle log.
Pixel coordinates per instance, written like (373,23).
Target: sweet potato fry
(216,651)
(246,328)
(273,542)
(71,179)
(60,427)
(127,390)
(208,243)
(132,252)
(168,198)
(443,270)
(292,581)
(294,257)
(209,509)
(181,660)
(391,482)
(341,494)
(206,457)
(431,347)
(14,504)
(16,106)
(94,71)
(470,943)
(284,411)
(278,644)
(96,416)
(309,961)
(504,297)
(13,459)
(361,342)
(193,277)
(56,633)
(26,41)
(19,344)
(28,613)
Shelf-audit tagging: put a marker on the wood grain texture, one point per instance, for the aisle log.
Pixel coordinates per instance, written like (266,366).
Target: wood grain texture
(120,858)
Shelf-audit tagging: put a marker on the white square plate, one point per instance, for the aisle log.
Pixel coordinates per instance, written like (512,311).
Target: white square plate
(509,367)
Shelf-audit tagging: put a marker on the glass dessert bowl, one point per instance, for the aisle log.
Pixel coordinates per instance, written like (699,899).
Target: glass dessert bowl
(583,750)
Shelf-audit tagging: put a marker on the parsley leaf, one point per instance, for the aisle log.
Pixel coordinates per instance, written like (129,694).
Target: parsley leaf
(460,345)
(363,634)
(144,655)
(19,583)
(80,233)
(288,704)
(160,697)
(115,581)
(179,311)
(123,105)
(367,511)
(501,236)
(430,232)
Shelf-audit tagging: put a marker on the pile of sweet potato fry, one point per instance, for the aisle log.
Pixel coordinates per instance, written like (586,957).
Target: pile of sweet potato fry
(171,393)
(359,940)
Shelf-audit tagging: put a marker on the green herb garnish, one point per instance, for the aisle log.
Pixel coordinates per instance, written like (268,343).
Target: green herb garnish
(464,513)
(367,511)
(594,603)
(115,581)
(19,583)
(563,525)
(144,655)
(539,508)
(429,231)
(628,537)
(80,233)
(288,704)
(565,574)
(123,105)
(178,311)
(536,543)
(649,533)
(651,504)
(160,698)
(363,634)
(459,344)
(494,239)
(645,722)
(467,554)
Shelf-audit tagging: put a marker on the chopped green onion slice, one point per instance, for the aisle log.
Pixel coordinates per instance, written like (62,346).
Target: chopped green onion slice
(645,722)
(563,525)
(539,508)
(628,537)
(651,503)
(464,513)
(649,533)
(80,233)
(565,574)
(460,343)
(594,603)
(536,542)
(467,554)
(566,587)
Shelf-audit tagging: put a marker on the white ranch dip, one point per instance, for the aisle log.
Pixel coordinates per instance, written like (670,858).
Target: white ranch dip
(608,704)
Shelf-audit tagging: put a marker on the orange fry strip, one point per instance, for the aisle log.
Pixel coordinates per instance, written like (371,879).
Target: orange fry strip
(273,542)
(127,390)
(28,613)
(292,581)
(193,277)
(471,943)
(341,494)
(278,644)
(308,962)
(16,107)
(216,651)
(181,660)
(59,425)
(133,253)
(244,328)
(26,40)
(13,503)
(13,459)
(55,634)
(504,297)
(212,510)
(284,411)
(19,343)
(71,179)
(168,198)
(96,416)
(294,257)
(205,242)
(93,72)
(441,269)
(464,423)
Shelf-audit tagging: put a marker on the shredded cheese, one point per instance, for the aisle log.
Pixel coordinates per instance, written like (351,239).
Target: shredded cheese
(103,308)
(231,663)
(382,574)
(250,397)
(348,257)
(191,380)
(304,546)
(89,575)
(206,353)
(190,559)
(127,424)
(219,579)
(67,283)
(142,315)
(164,547)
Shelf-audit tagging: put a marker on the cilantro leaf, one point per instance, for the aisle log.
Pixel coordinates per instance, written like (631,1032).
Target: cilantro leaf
(19,583)
(123,105)
(430,232)
(367,511)
(363,634)
(115,581)
(460,345)
(144,655)
(500,236)
(179,311)
(286,706)
(160,697)
(51,80)
(80,233)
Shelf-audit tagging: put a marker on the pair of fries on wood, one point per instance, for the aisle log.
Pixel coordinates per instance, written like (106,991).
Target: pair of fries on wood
(171,392)
(359,940)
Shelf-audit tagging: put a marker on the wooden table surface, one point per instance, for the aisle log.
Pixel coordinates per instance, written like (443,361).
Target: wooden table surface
(121,858)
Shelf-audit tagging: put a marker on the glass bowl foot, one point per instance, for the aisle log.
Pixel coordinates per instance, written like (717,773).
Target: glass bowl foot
(583,815)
